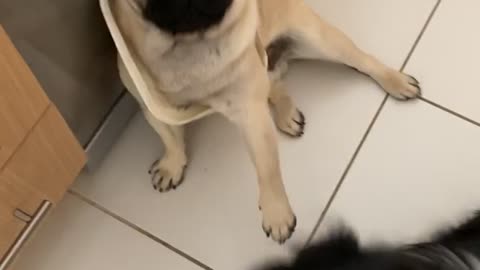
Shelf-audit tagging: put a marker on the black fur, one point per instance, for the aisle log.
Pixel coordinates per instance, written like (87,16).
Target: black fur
(466,236)
(185,16)
(451,250)
(278,50)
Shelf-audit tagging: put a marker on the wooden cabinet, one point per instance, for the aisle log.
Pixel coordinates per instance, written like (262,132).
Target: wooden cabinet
(21,100)
(11,228)
(46,162)
(39,155)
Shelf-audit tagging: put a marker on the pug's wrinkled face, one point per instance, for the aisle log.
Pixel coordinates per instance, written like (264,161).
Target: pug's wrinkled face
(186,17)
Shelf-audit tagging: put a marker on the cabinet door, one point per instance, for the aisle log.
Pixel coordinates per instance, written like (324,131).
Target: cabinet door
(19,195)
(10,228)
(46,163)
(16,228)
(22,101)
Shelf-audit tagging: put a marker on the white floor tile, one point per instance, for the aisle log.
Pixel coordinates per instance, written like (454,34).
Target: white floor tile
(417,172)
(446,60)
(214,215)
(78,237)
(386,28)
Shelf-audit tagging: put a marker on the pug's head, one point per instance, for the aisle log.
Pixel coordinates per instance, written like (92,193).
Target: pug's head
(191,17)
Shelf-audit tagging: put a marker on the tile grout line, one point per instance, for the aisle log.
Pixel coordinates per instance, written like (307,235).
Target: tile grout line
(369,129)
(139,229)
(422,33)
(447,110)
(346,171)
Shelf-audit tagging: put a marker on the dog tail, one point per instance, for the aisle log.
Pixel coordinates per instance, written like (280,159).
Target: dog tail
(466,236)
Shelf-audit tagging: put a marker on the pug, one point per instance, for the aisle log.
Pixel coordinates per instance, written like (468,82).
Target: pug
(231,55)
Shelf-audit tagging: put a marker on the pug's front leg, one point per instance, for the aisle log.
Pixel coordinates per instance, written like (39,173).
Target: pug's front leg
(256,125)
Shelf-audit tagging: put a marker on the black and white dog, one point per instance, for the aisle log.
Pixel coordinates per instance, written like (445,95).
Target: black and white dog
(456,249)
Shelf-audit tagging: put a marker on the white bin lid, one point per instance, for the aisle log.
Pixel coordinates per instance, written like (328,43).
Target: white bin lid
(153,100)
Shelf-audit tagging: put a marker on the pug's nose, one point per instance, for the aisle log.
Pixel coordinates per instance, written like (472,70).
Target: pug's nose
(207,7)
(212,7)
(182,16)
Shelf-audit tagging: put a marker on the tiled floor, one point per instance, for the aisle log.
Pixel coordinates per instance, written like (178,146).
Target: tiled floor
(404,172)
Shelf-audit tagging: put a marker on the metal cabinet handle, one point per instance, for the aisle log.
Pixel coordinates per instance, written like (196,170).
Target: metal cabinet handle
(26,233)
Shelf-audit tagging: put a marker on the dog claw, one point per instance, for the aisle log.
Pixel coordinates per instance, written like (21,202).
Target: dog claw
(418,87)
(167,178)
(154,165)
(414,79)
(267,232)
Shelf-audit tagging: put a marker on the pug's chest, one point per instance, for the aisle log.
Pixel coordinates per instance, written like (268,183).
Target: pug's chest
(186,66)
(199,91)
(187,75)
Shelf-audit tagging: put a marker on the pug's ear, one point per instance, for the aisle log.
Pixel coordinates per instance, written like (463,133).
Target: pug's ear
(340,248)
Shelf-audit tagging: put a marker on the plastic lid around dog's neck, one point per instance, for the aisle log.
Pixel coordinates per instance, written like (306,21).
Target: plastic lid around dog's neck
(157,105)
